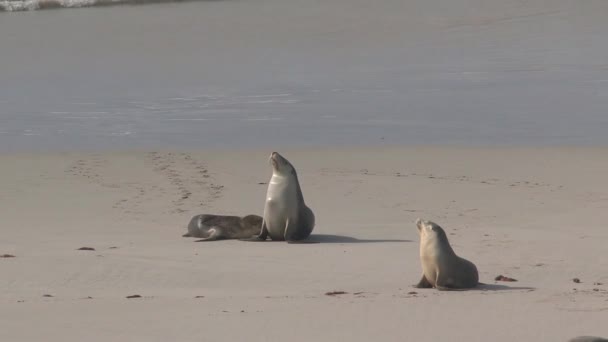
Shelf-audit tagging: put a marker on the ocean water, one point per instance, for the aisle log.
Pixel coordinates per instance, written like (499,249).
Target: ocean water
(274,73)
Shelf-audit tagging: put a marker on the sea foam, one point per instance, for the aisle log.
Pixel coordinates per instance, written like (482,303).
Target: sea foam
(32,5)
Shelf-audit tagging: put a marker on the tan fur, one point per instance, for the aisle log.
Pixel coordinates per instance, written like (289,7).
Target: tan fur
(441,267)
(221,227)
(286,216)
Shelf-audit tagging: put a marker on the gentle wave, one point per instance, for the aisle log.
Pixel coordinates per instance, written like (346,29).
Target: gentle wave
(32,5)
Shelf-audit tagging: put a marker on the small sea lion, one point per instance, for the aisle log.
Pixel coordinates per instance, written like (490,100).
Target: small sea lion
(441,267)
(221,227)
(286,216)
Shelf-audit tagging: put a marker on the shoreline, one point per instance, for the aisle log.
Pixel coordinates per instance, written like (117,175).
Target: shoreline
(327,147)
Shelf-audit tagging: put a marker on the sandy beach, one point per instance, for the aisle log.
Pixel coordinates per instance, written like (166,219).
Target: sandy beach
(534,214)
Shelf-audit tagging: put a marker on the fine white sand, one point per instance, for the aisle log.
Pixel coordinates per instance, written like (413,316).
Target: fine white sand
(535,214)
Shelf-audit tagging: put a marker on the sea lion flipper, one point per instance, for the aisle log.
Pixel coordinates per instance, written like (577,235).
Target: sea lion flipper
(264,231)
(443,284)
(187,235)
(443,288)
(290,230)
(423,283)
(296,231)
(214,234)
(207,239)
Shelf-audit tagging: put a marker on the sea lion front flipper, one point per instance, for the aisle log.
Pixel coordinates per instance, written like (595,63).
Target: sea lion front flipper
(187,235)
(423,283)
(443,284)
(290,230)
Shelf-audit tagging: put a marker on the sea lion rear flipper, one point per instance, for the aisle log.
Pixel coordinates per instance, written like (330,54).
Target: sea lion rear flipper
(443,284)
(423,283)
(215,233)
(296,232)
(443,288)
(211,238)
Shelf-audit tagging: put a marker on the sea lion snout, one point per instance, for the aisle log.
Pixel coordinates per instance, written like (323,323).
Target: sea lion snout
(273,160)
(419,224)
(275,156)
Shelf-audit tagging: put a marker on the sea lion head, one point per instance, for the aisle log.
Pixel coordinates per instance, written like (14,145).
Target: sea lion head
(430,231)
(280,165)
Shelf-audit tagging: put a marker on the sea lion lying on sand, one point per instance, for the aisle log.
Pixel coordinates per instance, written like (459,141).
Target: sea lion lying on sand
(221,227)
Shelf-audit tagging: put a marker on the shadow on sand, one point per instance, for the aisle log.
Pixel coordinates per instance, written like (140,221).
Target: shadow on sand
(488,287)
(498,287)
(330,238)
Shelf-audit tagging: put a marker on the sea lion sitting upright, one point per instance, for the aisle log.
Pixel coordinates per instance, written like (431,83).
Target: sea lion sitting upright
(441,267)
(286,216)
(220,227)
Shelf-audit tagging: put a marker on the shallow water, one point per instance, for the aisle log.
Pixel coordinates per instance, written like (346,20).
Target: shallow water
(258,73)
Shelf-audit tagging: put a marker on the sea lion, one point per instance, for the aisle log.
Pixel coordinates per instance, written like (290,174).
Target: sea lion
(286,216)
(220,227)
(441,267)
(588,339)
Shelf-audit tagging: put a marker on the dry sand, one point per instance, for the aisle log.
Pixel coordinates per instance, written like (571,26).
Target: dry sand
(535,214)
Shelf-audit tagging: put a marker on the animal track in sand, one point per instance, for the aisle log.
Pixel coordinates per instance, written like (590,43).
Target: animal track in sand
(190,180)
(187,181)
(92,170)
(88,169)
(433,177)
(486,181)
(345,294)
